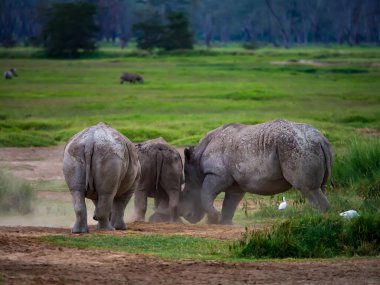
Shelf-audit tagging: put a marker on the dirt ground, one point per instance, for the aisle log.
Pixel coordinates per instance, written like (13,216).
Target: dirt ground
(26,260)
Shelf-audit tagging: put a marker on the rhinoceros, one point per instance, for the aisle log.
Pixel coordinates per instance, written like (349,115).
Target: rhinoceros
(161,179)
(131,78)
(101,164)
(263,159)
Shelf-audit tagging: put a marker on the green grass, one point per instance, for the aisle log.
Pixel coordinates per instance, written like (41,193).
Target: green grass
(313,237)
(187,94)
(168,247)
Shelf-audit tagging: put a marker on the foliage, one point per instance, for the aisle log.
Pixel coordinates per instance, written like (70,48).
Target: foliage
(70,29)
(359,168)
(152,33)
(149,33)
(171,247)
(177,34)
(15,195)
(312,237)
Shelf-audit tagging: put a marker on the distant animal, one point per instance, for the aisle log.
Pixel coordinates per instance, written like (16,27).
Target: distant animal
(264,159)
(9,74)
(349,214)
(131,78)
(101,164)
(283,204)
(161,179)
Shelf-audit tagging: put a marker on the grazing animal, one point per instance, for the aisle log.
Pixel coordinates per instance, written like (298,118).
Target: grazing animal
(264,159)
(283,204)
(9,74)
(161,179)
(101,164)
(131,78)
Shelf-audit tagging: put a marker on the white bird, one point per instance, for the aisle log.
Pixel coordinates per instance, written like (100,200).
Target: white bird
(349,214)
(283,204)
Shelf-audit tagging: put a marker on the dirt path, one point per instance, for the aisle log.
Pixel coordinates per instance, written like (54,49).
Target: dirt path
(26,260)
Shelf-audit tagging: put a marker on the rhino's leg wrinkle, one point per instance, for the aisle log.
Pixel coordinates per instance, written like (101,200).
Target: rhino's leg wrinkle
(317,199)
(103,211)
(80,209)
(230,203)
(140,205)
(119,205)
(211,187)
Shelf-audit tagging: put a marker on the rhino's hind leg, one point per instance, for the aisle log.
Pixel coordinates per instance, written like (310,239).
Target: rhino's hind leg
(118,208)
(317,199)
(140,205)
(103,211)
(80,225)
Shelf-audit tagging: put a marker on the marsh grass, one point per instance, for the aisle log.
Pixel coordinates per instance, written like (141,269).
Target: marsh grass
(169,247)
(16,195)
(312,237)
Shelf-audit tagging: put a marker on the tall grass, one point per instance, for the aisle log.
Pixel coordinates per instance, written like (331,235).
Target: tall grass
(359,168)
(15,195)
(312,237)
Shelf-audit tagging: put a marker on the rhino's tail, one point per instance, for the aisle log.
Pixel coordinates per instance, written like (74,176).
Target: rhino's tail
(88,153)
(328,155)
(159,163)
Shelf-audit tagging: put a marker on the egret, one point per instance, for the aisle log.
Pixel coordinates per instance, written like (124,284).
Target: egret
(349,214)
(283,204)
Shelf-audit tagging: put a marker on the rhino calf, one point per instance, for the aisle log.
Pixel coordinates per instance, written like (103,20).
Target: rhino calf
(101,164)
(131,78)
(263,159)
(9,74)
(161,179)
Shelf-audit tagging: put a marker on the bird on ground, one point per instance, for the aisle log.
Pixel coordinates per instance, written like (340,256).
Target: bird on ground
(283,204)
(349,214)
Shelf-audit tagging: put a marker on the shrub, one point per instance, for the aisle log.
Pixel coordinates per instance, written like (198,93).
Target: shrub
(315,237)
(15,195)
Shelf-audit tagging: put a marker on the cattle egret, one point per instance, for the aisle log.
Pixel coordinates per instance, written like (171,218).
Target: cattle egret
(349,214)
(283,204)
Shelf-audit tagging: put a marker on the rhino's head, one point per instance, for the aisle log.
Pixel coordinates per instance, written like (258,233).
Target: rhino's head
(190,202)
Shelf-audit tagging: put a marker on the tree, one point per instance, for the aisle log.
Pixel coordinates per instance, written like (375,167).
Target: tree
(177,33)
(70,29)
(149,33)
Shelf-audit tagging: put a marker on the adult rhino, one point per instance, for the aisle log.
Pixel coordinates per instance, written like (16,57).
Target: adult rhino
(101,164)
(131,78)
(161,179)
(263,159)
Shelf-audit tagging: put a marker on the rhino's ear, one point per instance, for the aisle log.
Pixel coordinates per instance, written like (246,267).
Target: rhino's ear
(188,152)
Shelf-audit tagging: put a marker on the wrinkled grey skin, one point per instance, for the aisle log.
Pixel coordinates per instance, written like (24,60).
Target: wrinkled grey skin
(131,78)
(101,164)
(9,74)
(263,159)
(161,179)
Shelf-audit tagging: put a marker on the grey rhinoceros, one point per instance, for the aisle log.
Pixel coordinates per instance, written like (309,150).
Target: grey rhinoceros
(101,164)
(263,159)
(161,179)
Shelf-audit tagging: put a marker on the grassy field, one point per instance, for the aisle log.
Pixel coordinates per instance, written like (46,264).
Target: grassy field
(187,94)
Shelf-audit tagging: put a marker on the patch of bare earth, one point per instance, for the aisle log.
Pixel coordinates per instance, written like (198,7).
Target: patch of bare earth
(369,132)
(26,260)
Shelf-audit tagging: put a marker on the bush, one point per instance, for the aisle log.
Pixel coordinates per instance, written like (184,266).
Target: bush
(315,237)
(359,168)
(15,195)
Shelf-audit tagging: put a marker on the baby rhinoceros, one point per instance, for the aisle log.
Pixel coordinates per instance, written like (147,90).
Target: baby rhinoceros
(101,164)
(131,78)
(161,179)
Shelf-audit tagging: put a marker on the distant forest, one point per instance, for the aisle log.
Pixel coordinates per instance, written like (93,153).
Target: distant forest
(275,22)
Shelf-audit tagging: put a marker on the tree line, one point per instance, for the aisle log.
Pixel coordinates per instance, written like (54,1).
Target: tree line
(275,22)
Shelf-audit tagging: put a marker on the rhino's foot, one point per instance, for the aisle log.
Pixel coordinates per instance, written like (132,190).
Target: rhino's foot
(226,222)
(213,218)
(105,227)
(121,226)
(80,230)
